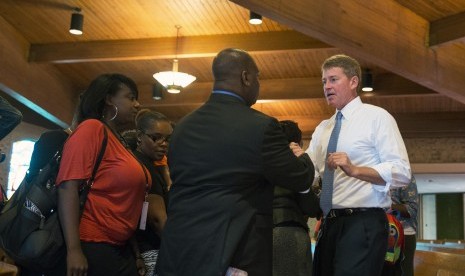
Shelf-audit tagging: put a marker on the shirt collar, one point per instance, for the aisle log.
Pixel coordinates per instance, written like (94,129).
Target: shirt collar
(228,93)
(350,108)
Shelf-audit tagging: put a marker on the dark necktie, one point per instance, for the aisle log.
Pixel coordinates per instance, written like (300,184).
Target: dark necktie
(326,199)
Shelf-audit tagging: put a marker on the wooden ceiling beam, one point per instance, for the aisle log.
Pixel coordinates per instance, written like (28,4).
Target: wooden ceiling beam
(431,125)
(283,89)
(165,48)
(270,90)
(411,125)
(420,125)
(446,30)
(380,31)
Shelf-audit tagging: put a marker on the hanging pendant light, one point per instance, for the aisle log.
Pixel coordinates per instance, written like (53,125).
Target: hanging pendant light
(174,80)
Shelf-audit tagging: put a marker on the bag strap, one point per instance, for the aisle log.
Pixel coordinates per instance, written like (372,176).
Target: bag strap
(85,190)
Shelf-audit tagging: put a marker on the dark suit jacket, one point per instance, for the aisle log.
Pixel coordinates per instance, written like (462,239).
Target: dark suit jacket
(224,159)
(293,209)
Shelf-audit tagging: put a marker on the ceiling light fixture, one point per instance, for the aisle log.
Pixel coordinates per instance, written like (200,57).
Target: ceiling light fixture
(367,81)
(174,80)
(255,18)
(77,21)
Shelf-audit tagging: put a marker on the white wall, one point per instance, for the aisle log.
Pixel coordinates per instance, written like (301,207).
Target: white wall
(429,217)
(22,131)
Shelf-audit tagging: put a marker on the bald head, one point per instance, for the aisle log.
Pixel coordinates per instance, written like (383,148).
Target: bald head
(234,70)
(229,62)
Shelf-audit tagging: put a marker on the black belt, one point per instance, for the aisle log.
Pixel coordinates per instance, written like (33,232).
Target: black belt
(333,213)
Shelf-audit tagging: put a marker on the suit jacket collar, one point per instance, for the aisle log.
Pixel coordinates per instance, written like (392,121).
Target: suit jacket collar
(226,96)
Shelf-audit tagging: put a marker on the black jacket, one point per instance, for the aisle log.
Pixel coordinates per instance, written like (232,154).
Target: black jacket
(148,239)
(224,159)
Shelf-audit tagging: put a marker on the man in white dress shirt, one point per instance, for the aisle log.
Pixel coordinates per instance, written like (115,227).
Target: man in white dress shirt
(370,157)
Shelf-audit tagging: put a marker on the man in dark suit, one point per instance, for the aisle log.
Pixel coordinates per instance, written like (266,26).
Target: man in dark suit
(224,159)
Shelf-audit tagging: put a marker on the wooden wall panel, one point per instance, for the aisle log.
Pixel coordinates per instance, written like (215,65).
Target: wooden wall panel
(40,87)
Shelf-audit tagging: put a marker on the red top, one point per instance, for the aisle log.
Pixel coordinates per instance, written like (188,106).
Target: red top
(114,203)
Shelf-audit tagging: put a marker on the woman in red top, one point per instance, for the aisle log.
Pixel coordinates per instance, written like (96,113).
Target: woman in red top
(97,243)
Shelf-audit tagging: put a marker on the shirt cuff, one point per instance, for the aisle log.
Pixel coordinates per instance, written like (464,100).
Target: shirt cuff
(385,171)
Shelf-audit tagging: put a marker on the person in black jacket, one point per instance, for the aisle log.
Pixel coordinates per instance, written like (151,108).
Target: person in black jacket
(49,143)
(224,159)
(10,117)
(292,254)
(150,144)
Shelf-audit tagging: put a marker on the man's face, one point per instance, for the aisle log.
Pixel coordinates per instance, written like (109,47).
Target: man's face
(338,88)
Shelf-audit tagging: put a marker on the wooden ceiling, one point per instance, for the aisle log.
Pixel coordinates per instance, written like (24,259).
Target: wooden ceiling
(415,50)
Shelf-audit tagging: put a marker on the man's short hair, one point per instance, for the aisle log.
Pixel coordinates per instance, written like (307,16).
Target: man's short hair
(230,61)
(349,66)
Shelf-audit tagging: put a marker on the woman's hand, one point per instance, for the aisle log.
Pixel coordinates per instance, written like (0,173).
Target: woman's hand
(296,149)
(76,263)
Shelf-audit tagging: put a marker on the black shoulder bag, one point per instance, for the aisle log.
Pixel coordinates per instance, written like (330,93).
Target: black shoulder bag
(30,230)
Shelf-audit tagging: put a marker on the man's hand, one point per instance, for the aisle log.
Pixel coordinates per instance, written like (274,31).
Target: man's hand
(340,159)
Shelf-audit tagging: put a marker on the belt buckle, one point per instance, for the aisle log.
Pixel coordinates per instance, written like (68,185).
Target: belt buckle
(349,211)
(331,214)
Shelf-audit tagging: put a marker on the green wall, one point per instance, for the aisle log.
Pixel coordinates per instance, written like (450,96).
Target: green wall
(449,216)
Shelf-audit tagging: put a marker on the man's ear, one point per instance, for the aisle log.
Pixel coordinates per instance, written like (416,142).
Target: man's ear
(354,82)
(244,78)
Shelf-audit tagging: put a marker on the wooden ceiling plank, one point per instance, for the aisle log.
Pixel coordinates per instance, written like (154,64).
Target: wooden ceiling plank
(446,30)
(165,48)
(381,31)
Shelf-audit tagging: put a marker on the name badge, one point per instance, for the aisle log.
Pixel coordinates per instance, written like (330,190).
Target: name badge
(143,215)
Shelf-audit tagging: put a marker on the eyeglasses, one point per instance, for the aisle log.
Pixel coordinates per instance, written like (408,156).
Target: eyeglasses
(159,138)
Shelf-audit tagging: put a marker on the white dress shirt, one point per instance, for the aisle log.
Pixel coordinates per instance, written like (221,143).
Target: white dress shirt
(370,137)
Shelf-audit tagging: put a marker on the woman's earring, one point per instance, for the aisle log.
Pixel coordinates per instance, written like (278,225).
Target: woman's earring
(116,113)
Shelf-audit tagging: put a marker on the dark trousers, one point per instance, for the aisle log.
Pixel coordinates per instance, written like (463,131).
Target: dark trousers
(292,252)
(353,244)
(409,254)
(105,259)
(59,270)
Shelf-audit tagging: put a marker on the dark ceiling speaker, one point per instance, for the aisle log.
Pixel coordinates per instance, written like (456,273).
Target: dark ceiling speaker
(367,81)
(77,21)
(255,18)
(157,91)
